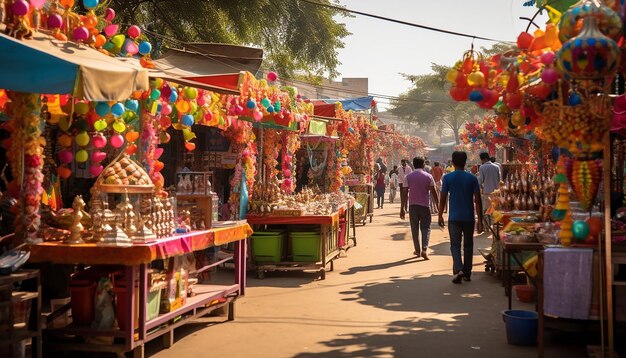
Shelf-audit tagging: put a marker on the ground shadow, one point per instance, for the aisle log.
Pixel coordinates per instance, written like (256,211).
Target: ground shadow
(444,320)
(383,266)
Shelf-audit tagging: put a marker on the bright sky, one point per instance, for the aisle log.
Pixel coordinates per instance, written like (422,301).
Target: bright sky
(382,50)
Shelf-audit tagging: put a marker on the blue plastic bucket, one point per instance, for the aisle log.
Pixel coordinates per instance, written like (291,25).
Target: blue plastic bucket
(521,327)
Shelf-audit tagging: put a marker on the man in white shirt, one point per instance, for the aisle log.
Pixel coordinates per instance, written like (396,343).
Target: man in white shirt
(403,171)
(489,178)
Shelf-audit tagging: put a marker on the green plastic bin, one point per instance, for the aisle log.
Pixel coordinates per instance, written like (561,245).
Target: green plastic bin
(305,248)
(267,248)
(154,300)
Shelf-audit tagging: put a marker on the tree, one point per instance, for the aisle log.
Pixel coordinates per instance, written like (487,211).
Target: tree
(429,104)
(295,35)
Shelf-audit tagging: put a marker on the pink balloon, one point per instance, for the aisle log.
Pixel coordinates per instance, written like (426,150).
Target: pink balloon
(272,76)
(99,141)
(134,31)
(549,76)
(257,115)
(66,156)
(117,140)
(166,109)
(548,57)
(55,21)
(95,170)
(111,30)
(37,4)
(131,47)
(98,156)
(81,33)
(158,151)
(109,14)
(20,8)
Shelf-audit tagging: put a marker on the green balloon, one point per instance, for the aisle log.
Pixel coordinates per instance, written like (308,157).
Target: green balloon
(580,230)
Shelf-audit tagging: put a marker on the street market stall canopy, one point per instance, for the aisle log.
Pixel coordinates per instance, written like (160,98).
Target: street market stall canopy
(326,107)
(45,65)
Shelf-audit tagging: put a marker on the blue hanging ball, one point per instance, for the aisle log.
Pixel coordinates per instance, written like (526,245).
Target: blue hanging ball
(132,105)
(251,104)
(574,99)
(351,130)
(270,109)
(475,96)
(173,96)
(187,120)
(117,109)
(145,48)
(90,4)
(102,109)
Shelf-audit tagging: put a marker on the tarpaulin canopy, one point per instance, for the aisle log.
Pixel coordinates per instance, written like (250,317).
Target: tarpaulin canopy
(45,65)
(326,107)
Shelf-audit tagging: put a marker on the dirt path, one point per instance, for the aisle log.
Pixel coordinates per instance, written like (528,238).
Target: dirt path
(380,301)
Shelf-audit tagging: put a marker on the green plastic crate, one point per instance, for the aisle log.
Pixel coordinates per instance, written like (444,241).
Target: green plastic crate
(154,300)
(305,248)
(267,248)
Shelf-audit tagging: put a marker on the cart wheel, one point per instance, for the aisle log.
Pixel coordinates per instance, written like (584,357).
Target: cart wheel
(260,274)
(371,217)
(322,274)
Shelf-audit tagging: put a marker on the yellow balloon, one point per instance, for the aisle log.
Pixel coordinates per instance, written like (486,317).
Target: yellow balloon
(82,139)
(476,79)
(182,106)
(81,156)
(451,75)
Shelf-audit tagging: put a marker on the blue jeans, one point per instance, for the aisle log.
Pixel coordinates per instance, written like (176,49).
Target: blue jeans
(420,219)
(461,230)
(380,196)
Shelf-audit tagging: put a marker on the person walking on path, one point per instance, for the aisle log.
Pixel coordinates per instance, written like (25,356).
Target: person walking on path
(437,173)
(421,186)
(403,171)
(489,178)
(393,183)
(462,187)
(381,183)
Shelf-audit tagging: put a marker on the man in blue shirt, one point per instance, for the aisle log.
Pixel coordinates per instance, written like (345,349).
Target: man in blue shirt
(464,193)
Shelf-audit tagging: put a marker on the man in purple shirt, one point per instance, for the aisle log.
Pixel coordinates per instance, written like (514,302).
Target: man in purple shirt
(420,185)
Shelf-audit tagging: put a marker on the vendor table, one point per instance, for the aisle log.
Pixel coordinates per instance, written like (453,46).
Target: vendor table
(330,246)
(135,260)
(510,249)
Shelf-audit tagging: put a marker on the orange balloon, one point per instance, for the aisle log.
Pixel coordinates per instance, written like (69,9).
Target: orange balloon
(100,41)
(65,140)
(67,3)
(132,136)
(64,172)
(596,224)
(131,149)
(158,166)
(90,21)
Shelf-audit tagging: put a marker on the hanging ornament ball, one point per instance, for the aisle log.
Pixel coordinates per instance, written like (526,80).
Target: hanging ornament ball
(67,3)
(265,102)
(37,4)
(117,141)
(118,41)
(548,57)
(272,76)
(64,140)
(251,104)
(90,4)
(132,105)
(475,96)
(131,149)
(119,126)
(82,139)
(277,106)
(580,229)
(81,33)
(158,152)
(82,156)
(182,106)
(174,96)
(95,170)
(55,21)
(238,110)
(187,120)
(134,31)
(81,108)
(476,79)
(550,76)
(65,156)
(257,115)
(166,109)
(574,99)
(132,136)
(517,119)
(165,122)
(98,156)
(100,40)
(100,125)
(164,137)
(155,94)
(117,109)
(110,30)
(190,92)
(20,7)
(99,141)
(103,108)
(145,48)
(109,14)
